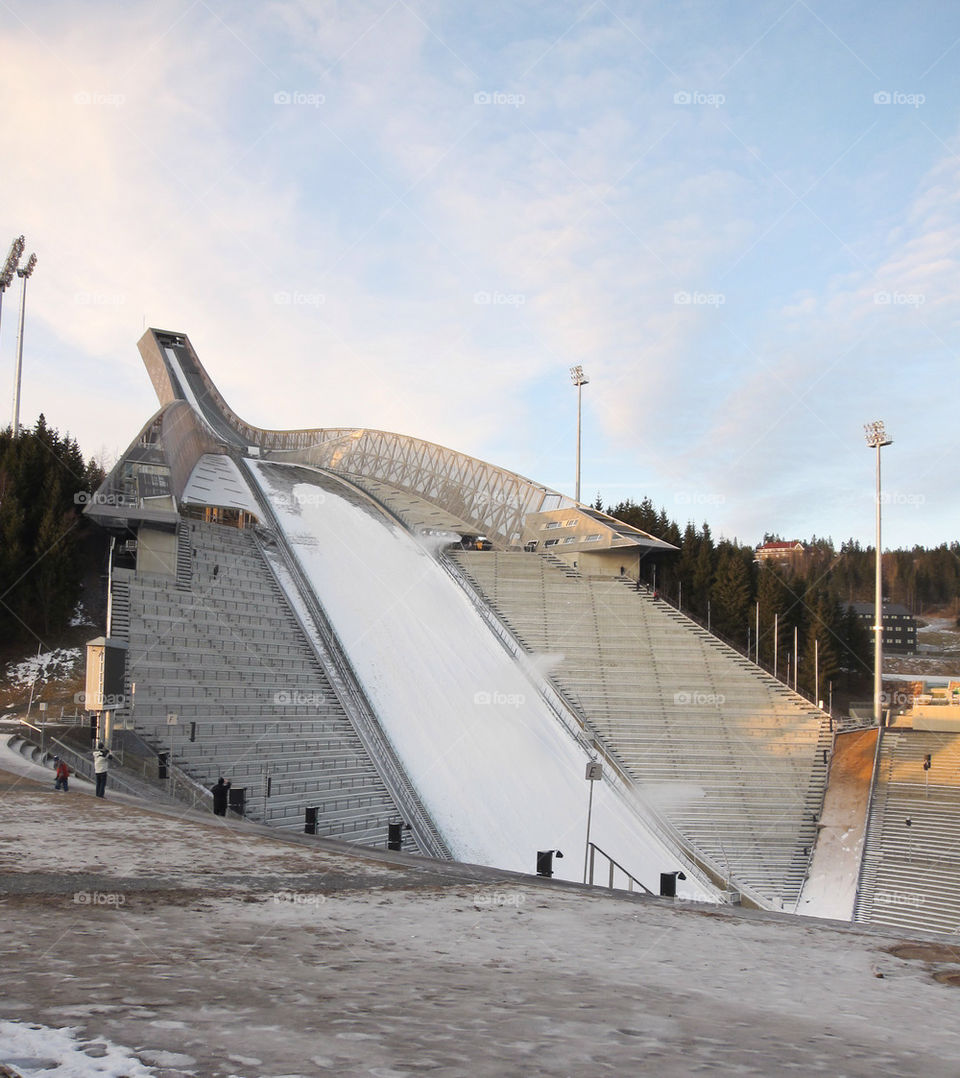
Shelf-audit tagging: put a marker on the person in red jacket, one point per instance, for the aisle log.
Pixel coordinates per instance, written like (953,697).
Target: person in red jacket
(63,775)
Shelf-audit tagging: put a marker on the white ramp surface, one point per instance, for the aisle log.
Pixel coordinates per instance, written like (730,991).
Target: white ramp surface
(495,769)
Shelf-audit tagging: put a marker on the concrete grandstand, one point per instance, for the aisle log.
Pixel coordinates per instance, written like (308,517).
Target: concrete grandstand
(304,603)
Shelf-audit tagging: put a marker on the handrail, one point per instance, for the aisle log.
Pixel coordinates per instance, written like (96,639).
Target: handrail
(176,775)
(84,767)
(874,776)
(128,784)
(344,681)
(595,849)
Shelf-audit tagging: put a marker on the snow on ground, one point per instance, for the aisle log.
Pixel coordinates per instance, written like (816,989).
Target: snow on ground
(831,889)
(37,1051)
(937,657)
(487,976)
(938,680)
(939,625)
(47,666)
(494,767)
(25,839)
(13,761)
(80,616)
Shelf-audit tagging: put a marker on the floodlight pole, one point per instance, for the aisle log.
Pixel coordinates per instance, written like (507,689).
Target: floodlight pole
(876,439)
(23,274)
(579,380)
(10,266)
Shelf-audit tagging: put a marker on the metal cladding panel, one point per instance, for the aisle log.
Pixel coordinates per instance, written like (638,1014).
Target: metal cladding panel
(185,439)
(156,364)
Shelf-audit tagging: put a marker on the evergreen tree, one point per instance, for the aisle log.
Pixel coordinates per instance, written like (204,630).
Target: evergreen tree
(40,525)
(703,571)
(774,598)
(12,562)
(730,595)
(54,580)
(823,640)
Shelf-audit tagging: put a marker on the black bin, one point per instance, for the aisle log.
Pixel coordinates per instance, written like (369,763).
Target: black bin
(310,822)
(394,836)
(545,862)
(237,799)
(668,883)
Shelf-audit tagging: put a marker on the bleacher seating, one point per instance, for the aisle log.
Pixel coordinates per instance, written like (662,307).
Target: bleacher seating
(910,874)
(727,754)
(217,645)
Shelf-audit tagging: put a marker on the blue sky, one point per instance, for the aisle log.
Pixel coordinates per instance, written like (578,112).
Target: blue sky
(741,218)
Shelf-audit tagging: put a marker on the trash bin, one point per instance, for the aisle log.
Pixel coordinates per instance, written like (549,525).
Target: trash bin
(238,799)
(394,836)
(668,883)
(545,862)
(310,822)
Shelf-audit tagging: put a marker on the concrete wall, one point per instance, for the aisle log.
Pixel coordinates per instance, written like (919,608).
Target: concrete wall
(935,717)
(156,551)
(607,562)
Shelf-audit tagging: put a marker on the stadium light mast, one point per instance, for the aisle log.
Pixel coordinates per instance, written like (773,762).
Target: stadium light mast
(23,273)
(10,266)
(876,439)
(579,380)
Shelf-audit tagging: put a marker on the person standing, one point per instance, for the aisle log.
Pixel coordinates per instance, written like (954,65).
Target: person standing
(101,763)
(63,775)
(220,792)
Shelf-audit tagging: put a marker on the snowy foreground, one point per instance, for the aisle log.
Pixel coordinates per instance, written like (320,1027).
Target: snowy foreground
(494,767)
(146,942)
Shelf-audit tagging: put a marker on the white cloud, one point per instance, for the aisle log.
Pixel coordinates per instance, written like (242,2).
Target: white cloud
(198,204)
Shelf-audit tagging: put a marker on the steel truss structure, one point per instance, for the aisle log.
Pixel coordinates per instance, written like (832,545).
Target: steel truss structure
(491,500)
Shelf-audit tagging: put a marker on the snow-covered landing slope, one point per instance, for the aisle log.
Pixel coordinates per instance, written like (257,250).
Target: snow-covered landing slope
(495,769)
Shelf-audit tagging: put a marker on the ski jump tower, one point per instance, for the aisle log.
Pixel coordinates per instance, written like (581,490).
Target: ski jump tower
(383,639)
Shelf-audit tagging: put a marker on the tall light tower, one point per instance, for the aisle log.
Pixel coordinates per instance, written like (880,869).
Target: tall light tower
(579,380)
(876,439)
(10,266)
(23,273)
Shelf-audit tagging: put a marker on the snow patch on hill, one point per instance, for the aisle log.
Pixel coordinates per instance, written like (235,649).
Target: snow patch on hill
(47,666)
